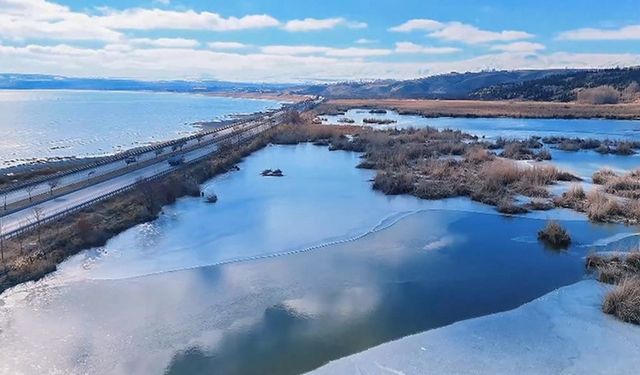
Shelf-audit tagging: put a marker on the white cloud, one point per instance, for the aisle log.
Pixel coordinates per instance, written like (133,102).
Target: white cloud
(631,32)
(150,19)
(408,47)
(314,24)
(165,42)
(365,41)
(78,28)
(519,47)
(25,19)
(357,52)
(294,50)
(227,45)
(35,9)
(169,63)
(302,50)
(418,25)
(460,32)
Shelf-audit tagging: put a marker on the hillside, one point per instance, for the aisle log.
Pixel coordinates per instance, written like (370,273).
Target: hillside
(10,81)
(567,86)
(447,86)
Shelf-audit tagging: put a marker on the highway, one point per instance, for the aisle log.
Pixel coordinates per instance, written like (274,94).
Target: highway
(86,175)
(52,208)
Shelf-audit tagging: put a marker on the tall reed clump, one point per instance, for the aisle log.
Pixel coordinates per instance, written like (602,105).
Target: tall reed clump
(554,235)
(622,270)
(624,301)
(600,207)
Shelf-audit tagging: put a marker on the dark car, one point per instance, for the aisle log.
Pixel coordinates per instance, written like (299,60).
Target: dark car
(176,160)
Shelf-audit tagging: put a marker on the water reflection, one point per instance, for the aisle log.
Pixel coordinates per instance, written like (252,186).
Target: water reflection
(135,306)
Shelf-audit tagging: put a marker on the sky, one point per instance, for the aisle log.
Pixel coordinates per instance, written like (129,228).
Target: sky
(312,41)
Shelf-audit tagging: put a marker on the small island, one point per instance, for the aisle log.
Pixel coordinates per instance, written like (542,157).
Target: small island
(272,173)
(379,121)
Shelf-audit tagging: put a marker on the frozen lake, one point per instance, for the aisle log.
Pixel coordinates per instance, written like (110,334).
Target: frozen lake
(39,124)
(284,274)
(504,127)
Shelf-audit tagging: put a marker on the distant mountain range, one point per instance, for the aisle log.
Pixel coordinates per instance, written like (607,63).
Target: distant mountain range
(40,81)
(547,85)
(537,85)
(446,86)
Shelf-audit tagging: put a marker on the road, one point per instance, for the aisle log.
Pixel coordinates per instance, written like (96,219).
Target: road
(86,175)
(53,207)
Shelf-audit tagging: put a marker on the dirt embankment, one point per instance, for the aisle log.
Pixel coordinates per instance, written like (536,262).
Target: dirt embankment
(478,108)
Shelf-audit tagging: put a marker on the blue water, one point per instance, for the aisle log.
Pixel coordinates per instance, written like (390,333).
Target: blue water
(506,127)
(283,275)
(582,163)
(43,124)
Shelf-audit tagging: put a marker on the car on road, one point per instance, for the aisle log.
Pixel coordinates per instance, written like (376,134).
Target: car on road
(130,160)
(176,160)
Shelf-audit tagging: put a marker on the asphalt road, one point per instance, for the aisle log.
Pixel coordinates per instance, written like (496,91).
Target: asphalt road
(88,174)
(49,208)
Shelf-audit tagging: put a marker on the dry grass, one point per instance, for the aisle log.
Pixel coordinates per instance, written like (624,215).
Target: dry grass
(624,301)
(600,207)
(623,270)
(603,175)
(624,186)
(575,193)
(478,108)
(478,155)
(554,235)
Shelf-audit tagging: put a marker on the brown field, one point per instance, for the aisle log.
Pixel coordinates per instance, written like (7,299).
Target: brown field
(477,108)
(260,95)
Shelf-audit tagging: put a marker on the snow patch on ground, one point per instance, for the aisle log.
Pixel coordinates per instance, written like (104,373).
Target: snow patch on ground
(563,332)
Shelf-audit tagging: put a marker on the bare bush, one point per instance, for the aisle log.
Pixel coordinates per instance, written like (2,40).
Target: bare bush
(600,207)
(624,301)
(603,175)
(477,155)
(554,235)
(632,92)
(599,95)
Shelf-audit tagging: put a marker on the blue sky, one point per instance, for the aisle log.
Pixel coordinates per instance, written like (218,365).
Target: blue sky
(287,41)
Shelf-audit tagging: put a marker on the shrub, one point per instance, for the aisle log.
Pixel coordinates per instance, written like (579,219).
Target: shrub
(626,186)
(554,235)
(574,197)
(543,154)
(600,207)
(569,145)
(430,189)
(631,92)
(517,151)
(393,183)
(599,95)
(477,155)
(603,175)
(603,149)
(624,148)
(506,206)
(624,301)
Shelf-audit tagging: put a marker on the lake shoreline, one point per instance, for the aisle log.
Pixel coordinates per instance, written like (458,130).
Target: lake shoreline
(568,321)
(489,109)
(482,171)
